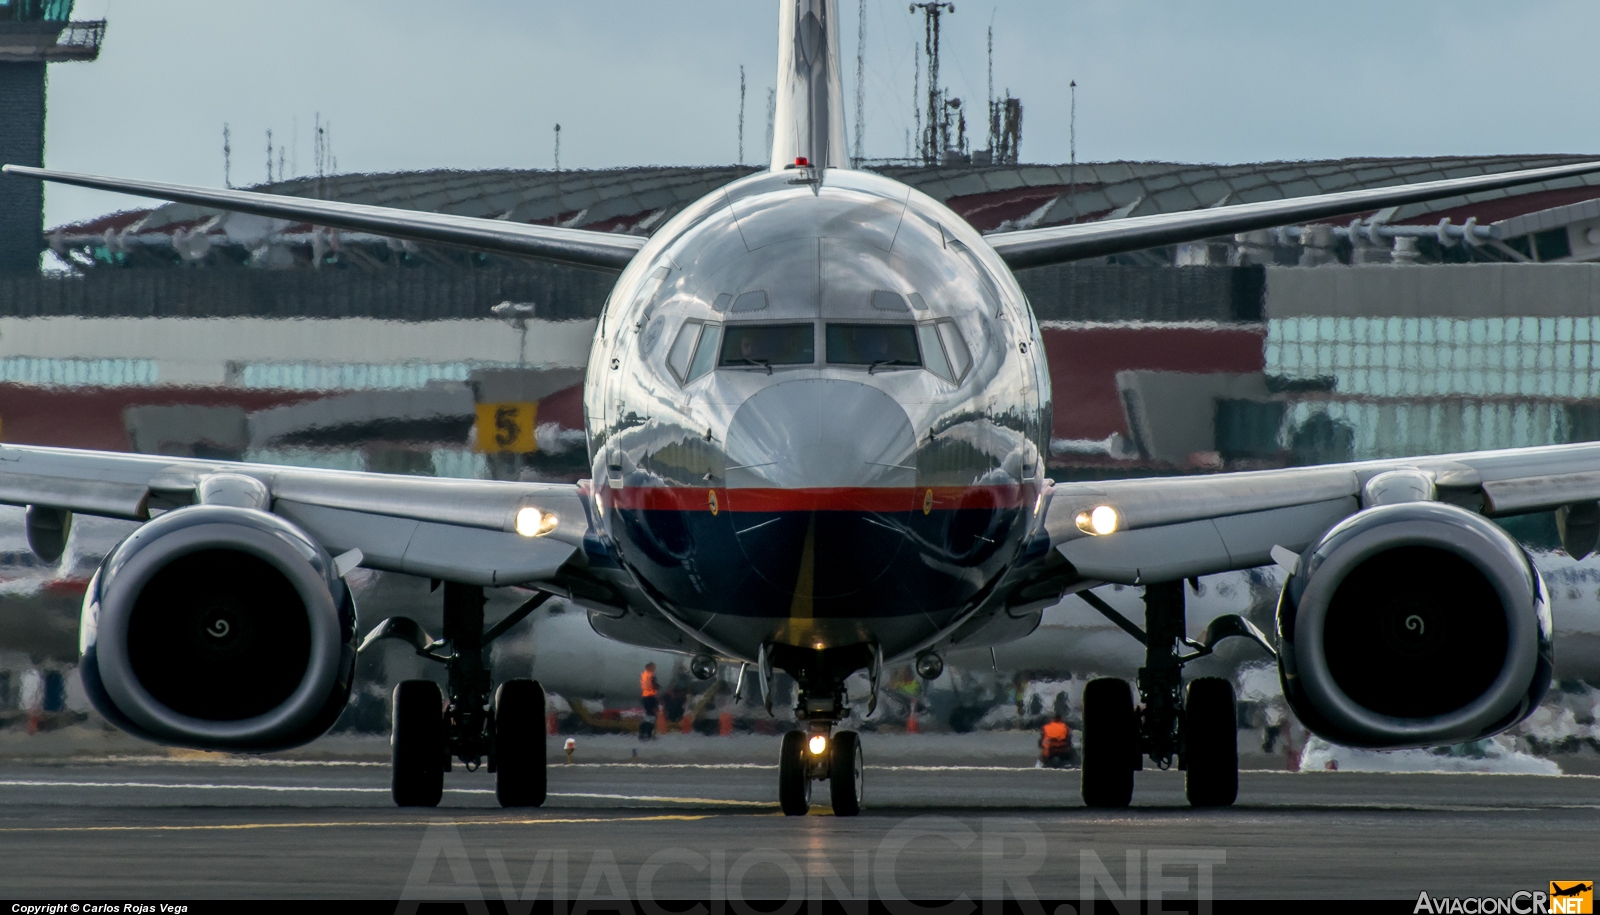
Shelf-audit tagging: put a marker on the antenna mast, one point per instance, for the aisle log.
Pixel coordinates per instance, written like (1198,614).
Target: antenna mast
(861,74)
(741,114)
(558,147)
(936,135)
(916,94)
(994,113)
(1072,134)
(227,156)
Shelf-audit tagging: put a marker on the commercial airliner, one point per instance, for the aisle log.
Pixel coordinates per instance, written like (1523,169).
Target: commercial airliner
(817,414)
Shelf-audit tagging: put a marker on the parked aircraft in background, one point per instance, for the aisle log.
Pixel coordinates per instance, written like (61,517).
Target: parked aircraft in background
(818,417)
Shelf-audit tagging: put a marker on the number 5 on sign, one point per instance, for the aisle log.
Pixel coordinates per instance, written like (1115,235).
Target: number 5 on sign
(507,427)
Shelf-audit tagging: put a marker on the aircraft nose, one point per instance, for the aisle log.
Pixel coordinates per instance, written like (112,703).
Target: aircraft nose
(820,433)
(820,484)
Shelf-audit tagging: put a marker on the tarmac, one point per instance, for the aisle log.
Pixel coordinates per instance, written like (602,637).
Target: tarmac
(945,816)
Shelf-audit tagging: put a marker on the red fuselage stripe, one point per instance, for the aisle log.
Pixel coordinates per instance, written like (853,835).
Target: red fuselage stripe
(859,499)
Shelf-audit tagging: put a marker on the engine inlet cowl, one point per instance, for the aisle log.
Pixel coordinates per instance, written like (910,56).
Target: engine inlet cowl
(219,627)
(1414,624)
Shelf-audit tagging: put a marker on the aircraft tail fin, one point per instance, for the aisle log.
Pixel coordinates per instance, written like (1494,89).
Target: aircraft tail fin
(809,121)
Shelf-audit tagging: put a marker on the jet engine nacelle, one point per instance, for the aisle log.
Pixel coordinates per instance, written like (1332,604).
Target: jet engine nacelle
(218,627)
(1412,625)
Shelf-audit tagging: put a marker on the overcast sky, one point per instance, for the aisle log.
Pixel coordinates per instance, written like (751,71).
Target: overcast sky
(409,84)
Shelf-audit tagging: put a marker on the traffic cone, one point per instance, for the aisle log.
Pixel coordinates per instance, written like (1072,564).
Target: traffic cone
(725,724)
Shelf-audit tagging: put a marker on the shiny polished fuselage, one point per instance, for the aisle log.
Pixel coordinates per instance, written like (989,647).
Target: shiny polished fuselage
(818,505)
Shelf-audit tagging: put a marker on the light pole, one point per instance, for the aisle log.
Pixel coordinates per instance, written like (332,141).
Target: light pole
(517,314)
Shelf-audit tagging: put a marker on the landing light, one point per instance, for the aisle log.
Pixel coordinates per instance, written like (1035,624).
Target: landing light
(818,744)
(531,522)
(1099,521)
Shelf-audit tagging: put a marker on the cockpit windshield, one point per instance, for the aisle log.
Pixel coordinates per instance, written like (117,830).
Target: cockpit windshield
(873,345)
(767,345)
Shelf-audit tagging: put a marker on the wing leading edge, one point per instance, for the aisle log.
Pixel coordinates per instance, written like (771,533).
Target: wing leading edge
(455,530)
(1058,244)
(1177,527)
(578,247)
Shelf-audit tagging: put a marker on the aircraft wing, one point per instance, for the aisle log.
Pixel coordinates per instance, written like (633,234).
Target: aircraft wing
(1057,244)
(457,530)
(604,250)
(1172,528)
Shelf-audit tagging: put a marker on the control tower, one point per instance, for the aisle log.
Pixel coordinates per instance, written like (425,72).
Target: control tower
(33,34)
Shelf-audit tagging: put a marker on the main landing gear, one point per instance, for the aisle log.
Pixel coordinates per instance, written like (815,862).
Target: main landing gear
(430,727)
(1196,727)
(817,752)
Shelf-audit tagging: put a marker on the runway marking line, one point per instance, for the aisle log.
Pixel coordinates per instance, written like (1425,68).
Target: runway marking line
(200,759)
(653,797)
(201,786)
(216,827)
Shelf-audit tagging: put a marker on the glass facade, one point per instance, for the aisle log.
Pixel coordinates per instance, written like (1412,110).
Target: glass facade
(1407,385)
(74,372)
(354,376)
(1433,357)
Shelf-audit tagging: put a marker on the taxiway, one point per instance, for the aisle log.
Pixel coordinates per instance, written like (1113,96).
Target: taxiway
(679,827)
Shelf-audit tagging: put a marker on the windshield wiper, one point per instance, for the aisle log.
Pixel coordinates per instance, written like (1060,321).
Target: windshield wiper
(874,366)
(761,362)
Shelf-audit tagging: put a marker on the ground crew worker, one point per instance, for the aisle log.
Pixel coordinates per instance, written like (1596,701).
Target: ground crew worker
(648,688)
(1055,745)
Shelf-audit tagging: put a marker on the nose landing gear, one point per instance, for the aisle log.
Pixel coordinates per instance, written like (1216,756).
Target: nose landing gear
(813,755)
(844,774)
(818,752)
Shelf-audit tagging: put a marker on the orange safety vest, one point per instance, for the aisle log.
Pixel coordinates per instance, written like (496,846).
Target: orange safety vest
(1056,731)
(647,684)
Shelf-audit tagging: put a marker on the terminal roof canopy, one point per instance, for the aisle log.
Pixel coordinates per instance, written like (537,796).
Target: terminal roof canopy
(994,199)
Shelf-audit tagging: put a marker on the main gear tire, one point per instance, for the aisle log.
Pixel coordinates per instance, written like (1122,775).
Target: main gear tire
(1110,743)
(1211,744)
(417,741)
(519,744)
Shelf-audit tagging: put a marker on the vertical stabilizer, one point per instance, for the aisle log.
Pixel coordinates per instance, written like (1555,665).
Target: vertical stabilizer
(810,116)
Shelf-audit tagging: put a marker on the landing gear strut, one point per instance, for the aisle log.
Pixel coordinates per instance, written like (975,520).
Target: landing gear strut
(1194,727)
(430,727)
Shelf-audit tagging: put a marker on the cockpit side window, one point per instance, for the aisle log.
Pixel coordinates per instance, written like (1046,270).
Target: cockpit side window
(955,347)
(933,352)
(683,350)
(873,345)
(705,355)
(767,345)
